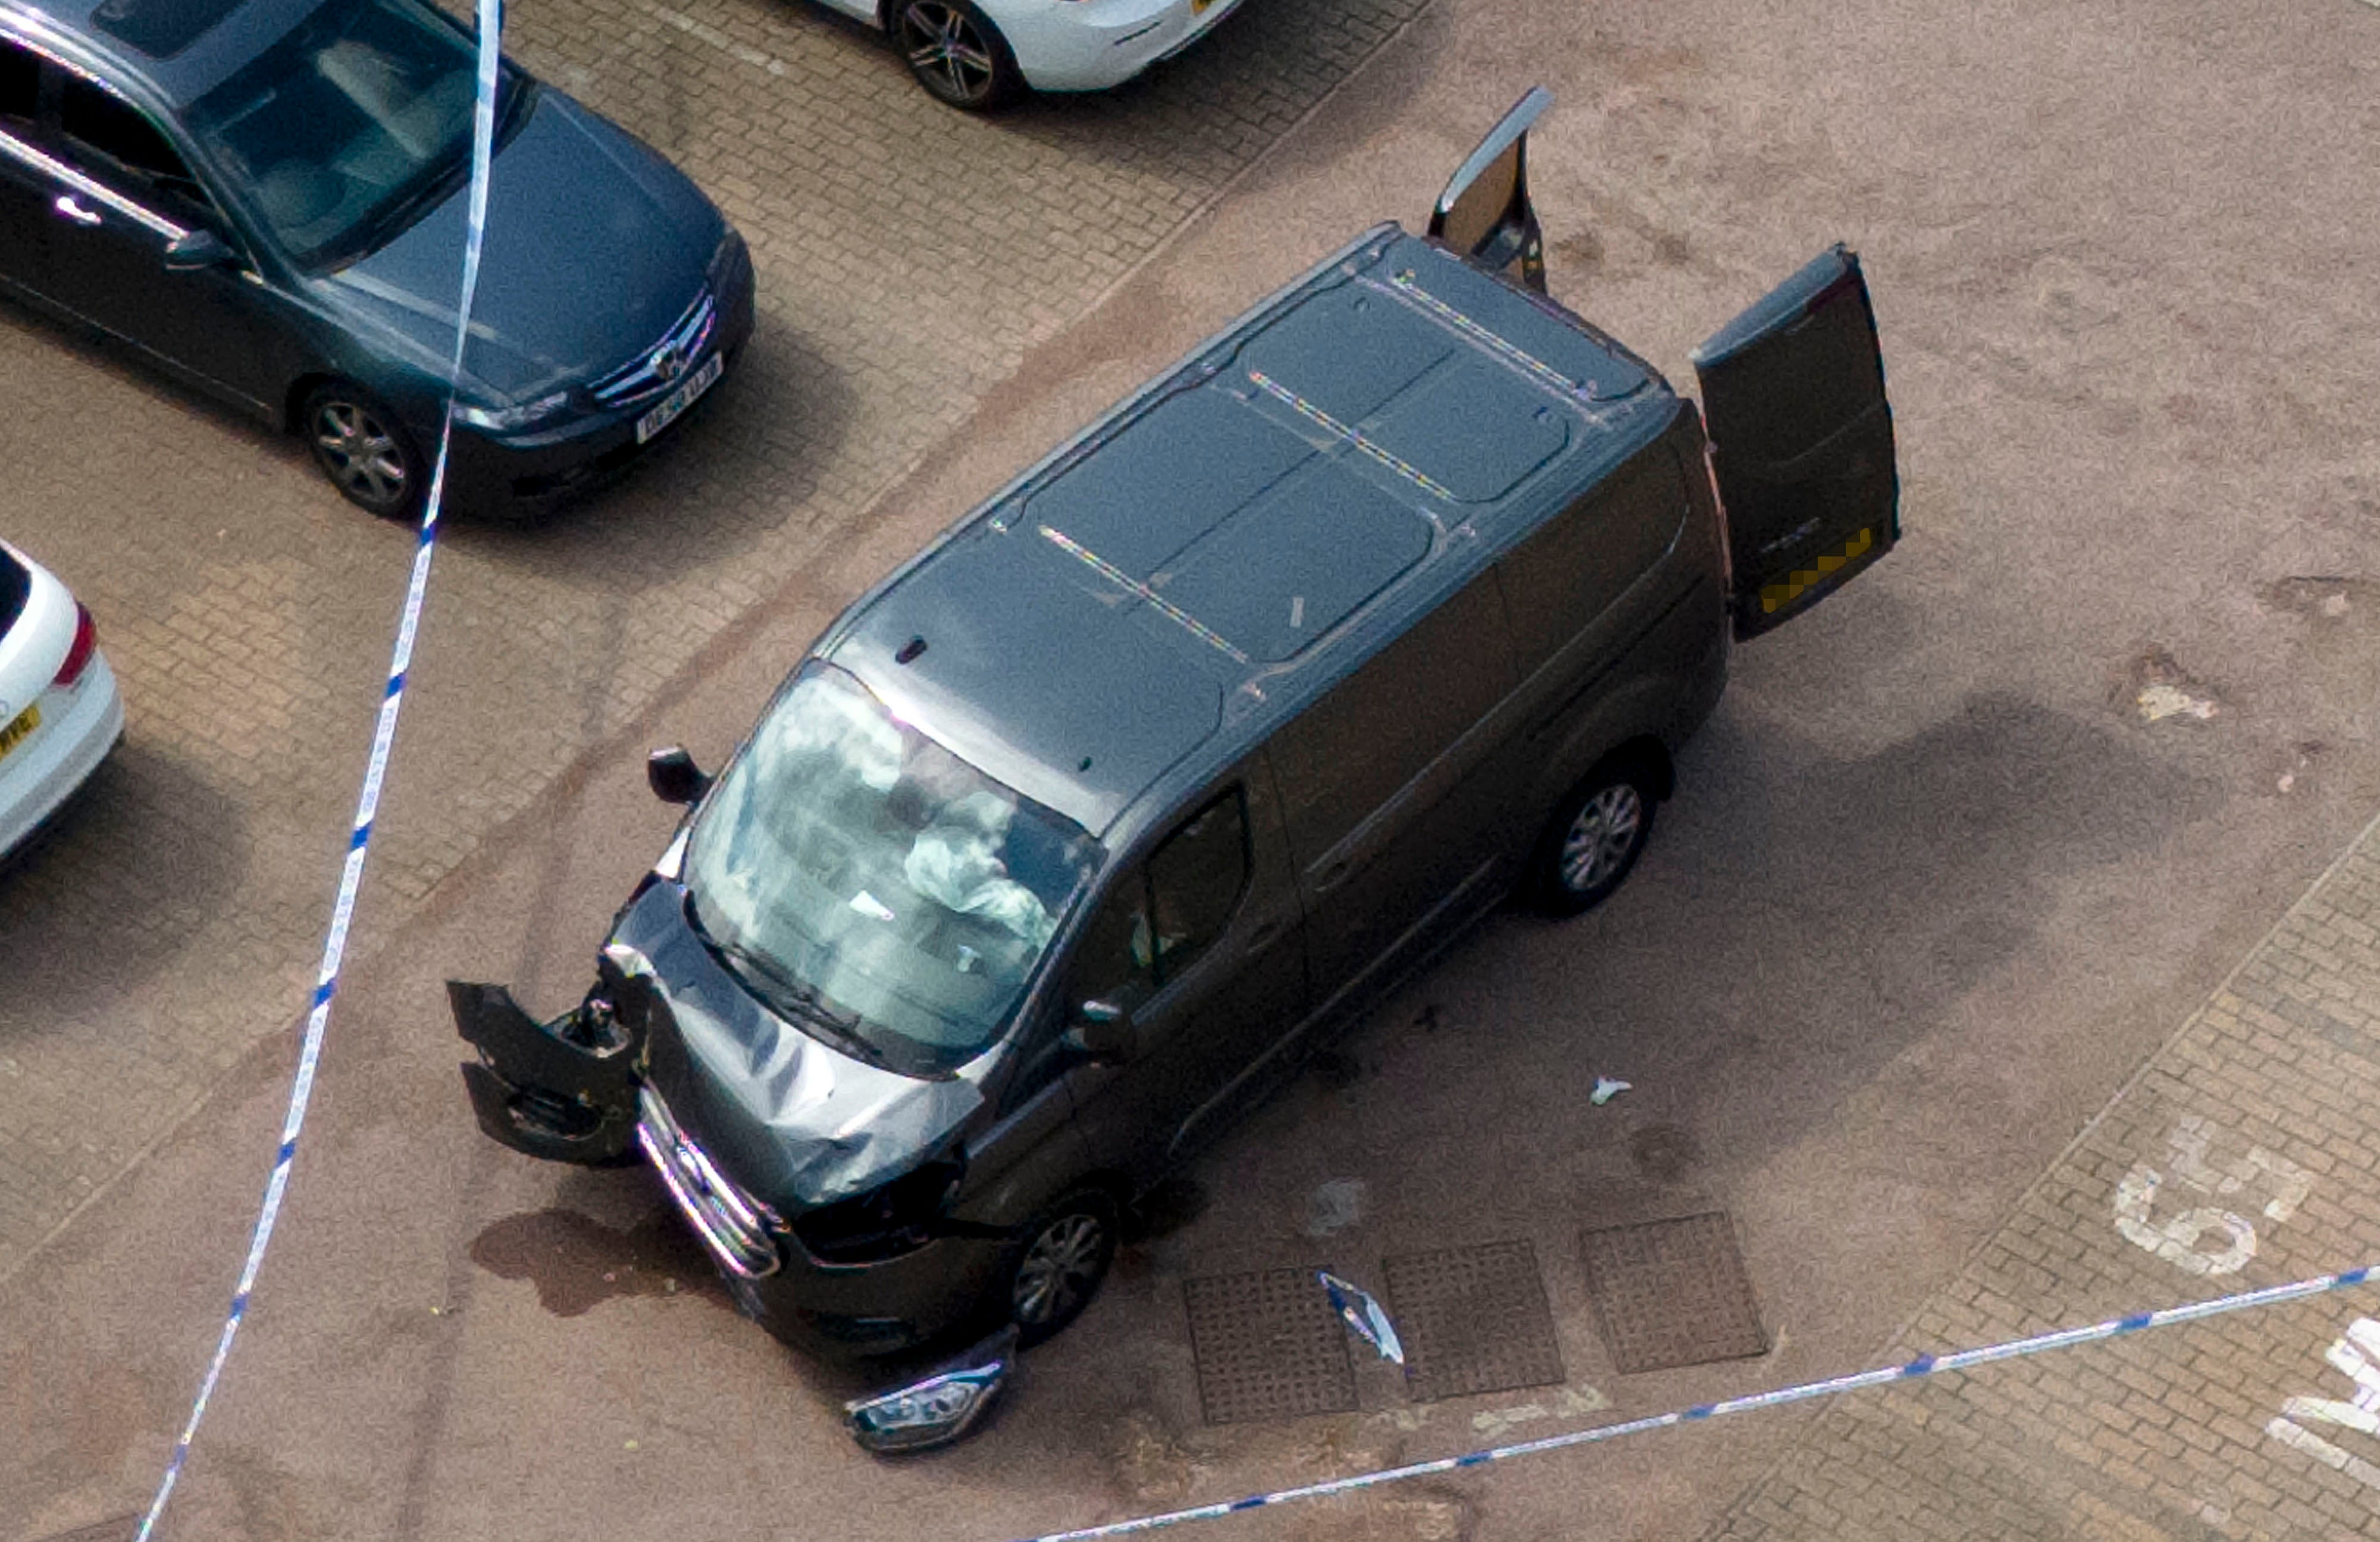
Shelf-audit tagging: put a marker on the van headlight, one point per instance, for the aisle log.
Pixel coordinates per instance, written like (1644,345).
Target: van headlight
(940,1408)
(502,420)
(885,1223)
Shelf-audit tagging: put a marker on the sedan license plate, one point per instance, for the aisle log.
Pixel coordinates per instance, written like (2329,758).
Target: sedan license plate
(680,399)
(21,729)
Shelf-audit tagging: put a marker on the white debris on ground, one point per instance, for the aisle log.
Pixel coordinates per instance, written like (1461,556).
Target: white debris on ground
(2164,701)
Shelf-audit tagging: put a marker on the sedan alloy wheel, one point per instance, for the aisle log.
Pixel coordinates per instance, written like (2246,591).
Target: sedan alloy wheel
(361,447)
(955,54)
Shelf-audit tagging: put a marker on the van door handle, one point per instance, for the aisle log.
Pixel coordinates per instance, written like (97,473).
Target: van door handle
(67,206)
(1330,876)
(1265,934)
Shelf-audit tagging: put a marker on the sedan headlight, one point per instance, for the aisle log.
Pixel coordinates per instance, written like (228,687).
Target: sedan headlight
(725,257)
(502,420)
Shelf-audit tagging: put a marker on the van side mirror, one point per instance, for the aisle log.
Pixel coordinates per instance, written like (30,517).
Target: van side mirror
(674,776)
(1101,1032)
(196,248)
(1484,211)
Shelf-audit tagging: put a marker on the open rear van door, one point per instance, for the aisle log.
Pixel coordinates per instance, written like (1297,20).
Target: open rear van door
(1800,442)
(1485,212)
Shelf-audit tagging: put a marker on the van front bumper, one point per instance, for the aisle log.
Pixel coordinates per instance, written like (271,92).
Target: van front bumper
(567,1090)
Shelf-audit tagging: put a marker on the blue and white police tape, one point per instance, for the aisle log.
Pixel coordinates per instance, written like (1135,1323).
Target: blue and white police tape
(335,945)
(1925,1364)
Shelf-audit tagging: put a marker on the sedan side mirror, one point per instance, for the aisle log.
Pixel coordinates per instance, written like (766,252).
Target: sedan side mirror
(674,776)
(194,249)
(1101,1033)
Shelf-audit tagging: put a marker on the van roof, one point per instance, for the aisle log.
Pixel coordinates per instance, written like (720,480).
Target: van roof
(1251,526)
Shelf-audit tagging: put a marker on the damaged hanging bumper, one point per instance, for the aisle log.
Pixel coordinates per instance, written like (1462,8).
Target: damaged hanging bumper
(564,1090)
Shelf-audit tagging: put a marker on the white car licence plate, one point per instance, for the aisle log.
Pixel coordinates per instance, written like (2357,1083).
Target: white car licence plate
(680,399)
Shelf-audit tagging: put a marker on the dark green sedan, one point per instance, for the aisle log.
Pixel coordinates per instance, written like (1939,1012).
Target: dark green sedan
(266,198)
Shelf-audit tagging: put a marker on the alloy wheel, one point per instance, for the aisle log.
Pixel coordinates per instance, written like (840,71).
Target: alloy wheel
(1597,846)
(948,54)
(360,454)
(1061,1269)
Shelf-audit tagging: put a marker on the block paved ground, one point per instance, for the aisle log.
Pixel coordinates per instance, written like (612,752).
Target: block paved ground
(908,258)
(2242,1155)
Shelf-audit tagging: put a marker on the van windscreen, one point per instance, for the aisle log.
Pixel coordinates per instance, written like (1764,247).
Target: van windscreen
(873,889)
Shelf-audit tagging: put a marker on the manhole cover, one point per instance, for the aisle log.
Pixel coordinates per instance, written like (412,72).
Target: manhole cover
(1473,1320)
(1672,1293)
(1268,1347)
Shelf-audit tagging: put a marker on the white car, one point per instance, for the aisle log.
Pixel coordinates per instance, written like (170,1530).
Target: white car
(980,53)
(59,712)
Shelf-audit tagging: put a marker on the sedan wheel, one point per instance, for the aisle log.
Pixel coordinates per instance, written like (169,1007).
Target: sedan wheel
(365,452)
(956,53)
(1063,1261)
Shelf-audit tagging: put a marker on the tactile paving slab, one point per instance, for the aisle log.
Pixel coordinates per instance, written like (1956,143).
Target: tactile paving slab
(1672,1293)
(1473,1320)
(1268,1347)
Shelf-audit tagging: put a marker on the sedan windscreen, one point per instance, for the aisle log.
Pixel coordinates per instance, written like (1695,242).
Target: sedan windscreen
(15,586)
(346,129)
(872,887)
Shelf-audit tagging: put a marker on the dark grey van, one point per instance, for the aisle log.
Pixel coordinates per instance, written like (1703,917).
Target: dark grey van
(1072,837)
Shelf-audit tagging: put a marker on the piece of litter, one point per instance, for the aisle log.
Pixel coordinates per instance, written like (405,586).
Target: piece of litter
(1336,1205)
(1364,1318)
(1606,1089)
(627,1445)
(609,1277)
(2164,701)
(669,1283)
(2333,605)
(2289,780)
(434,1311)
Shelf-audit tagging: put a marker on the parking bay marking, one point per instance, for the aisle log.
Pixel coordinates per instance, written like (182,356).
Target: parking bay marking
(702,32)
(2177,1239)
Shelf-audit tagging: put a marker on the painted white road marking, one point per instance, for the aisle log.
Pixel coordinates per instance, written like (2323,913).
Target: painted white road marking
(2178,1239)
(705,33)
(2354,1354)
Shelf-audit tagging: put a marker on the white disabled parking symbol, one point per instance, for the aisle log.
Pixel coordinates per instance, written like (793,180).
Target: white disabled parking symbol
(2355,1354)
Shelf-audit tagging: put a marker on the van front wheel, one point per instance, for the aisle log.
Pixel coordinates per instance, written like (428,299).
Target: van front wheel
(1592,840)
(1061,1258)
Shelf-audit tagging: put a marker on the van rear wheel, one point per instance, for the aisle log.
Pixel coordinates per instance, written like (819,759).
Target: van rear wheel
(1592,840)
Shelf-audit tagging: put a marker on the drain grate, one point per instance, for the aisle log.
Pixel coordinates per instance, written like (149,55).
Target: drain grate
(1473,1320)
(1672,1293)
(1268,1347)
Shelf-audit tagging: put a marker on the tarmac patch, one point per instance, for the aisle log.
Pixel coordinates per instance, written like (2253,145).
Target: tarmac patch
(577,1263)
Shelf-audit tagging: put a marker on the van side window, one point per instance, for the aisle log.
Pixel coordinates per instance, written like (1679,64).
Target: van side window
(20,82)
(1162,917)
(1376,730)
(1578,563)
